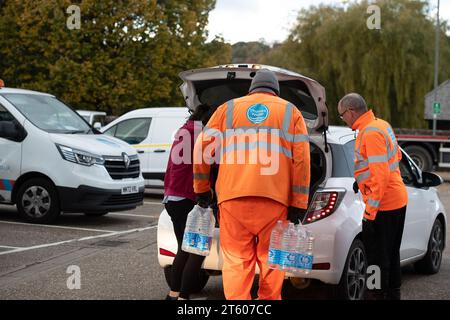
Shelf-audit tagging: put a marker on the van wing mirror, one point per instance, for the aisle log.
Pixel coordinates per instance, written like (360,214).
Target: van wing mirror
(8,130)
(97,125)
(11,130)
(431,179)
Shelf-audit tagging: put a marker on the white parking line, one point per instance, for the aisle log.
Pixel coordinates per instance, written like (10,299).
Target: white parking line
(8,247)
(130,215)
(76,240)
(150,202)
(57,227)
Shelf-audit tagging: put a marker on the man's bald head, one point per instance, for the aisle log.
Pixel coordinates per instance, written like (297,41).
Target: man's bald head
(355,102)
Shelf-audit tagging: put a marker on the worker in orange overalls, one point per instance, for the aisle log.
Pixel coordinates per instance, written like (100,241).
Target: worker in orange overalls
(378,177)
(262,144)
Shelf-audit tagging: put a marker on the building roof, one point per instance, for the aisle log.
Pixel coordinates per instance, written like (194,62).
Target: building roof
(443,97)
(441,86)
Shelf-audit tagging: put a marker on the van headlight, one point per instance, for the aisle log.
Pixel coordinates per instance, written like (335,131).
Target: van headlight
(78,156)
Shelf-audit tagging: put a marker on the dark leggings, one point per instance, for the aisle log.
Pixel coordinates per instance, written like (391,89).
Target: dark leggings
(186,266)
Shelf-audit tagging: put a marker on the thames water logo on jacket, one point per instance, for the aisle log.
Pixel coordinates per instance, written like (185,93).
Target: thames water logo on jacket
(257,113)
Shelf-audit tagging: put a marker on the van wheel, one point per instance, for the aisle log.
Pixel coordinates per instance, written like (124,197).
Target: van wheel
(431,263)
(95,214)
(353,281)
(37,201)
(203,278)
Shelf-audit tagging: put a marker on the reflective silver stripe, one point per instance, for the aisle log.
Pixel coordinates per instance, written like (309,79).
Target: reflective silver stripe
(287,117)
(378,159)
(361,165)
(300,138)
(273,131)
(246,130)
(359,156)
(212,132)
(363,176)
(373,203)
(393,152)
(390,153)
(300,189)
(373,159)
(258,144)
(229,115)
(201,176)
(287,123)
(259,128)
(393,166)
(370,129)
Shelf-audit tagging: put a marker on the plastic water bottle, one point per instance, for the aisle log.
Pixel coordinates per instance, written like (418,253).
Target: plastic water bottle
(207,223)
(300,250)
(275,246)
(199,231)
(190,237)
(303,251)
(288,248)
(308,255)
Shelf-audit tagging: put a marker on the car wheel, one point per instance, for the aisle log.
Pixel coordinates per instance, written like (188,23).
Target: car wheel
(420,156)
(431,263)
(353,280)
(37,201)
(95,214)
(202,279)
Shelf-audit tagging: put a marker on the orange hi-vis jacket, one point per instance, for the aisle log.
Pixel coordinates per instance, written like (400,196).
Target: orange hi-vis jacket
(263,147)
(377,169)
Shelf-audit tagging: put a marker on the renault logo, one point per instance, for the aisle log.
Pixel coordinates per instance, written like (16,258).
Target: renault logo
(126,160)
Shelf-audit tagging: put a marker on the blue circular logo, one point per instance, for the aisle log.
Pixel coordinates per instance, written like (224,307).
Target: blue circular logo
(108,142)
(257,113)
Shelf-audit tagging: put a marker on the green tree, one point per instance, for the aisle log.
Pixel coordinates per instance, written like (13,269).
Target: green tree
(216,52)
(249,52)
(391,67)
(126,55)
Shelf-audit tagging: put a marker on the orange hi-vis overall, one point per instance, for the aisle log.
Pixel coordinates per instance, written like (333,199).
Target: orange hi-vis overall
(263,147)
(377,169)
(249,132)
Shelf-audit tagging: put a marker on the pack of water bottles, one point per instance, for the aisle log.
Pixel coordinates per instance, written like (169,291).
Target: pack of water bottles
(291,248)
(199,231)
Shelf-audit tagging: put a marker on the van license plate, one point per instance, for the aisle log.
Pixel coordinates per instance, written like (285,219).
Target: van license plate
(130,190)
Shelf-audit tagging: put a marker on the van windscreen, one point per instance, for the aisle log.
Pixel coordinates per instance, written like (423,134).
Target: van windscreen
(48,113)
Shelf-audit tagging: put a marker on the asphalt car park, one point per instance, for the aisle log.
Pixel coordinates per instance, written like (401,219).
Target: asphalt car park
(116,256)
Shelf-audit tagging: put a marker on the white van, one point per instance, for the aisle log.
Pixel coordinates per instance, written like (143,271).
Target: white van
(97,119)
(151,132)
(51,160)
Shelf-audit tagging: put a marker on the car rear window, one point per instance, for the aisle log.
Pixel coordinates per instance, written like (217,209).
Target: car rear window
(343,162)
(216,92)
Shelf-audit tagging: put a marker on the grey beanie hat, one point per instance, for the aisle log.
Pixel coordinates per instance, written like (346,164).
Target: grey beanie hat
(265,81)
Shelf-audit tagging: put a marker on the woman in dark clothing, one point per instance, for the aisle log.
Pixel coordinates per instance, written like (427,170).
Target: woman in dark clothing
(180,199)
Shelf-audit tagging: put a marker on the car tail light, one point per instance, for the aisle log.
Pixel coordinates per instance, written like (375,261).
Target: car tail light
(165,252)
(323,205)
